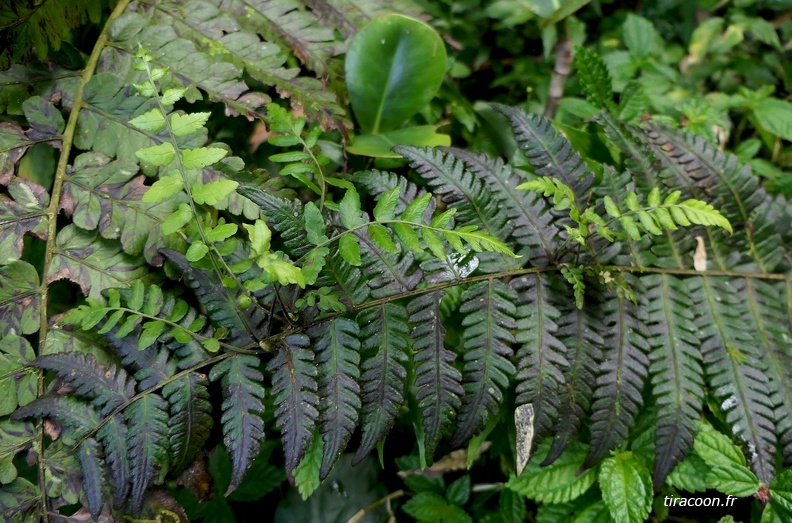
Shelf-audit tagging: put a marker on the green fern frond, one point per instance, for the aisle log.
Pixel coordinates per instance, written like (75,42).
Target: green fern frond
(243,405)
(295,391)
(675,367)
(463,191)
(338,361)
(437,383)
(36,27)
(548,151)
(541,356)
(190,422)
(617,394)
(489,318)
(147,441)
(594,79)
(533,224)
(384,332)
(93,474)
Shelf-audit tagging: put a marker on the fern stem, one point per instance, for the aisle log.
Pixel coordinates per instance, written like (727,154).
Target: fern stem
(52,226)
(368,508)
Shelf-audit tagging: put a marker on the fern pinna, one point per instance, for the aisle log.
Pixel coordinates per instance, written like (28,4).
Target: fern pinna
(321,318)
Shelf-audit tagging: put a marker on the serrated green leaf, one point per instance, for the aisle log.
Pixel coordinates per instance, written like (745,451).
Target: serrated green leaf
(379,235)
(434,243)
(157,155)
(349,207)
(260,236)
(151,331)
(178,219)
(349,248)
(173,95)
(152,121)
(164,188)
(414,212)
(197,251)
(306,474)
(733,479)
(314,224)
(202,157)
(386,205)
(221,232)
(626,488)
(184,124)
(558,482)
(212,192)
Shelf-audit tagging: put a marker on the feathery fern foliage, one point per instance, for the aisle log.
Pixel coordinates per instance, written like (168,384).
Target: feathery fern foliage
(605,303)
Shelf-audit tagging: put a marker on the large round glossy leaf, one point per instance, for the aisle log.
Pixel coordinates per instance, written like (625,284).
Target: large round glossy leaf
(394,67)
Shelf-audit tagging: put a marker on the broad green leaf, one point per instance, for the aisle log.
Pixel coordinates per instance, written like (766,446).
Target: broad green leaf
(202,157)
(640,36)
(197,251)
(152,121)
(414,212)
(151,331)
(781,491)
(716,449)
(173,95)
(135,301)
(626,488)
(381,145)
(290,156)
(558,482)
(379,235)
(260,236)
(221,232)
(733,479)
(157,155)
(184,124)
(314,224)
(282,271)
(178,219)
(212,192)
(164,188)
(386,206)
(689,474)
(350,210)
(394,67)
(775,116)
(349,248)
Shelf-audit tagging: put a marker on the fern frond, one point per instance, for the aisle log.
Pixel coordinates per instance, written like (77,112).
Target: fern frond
(463,191)
(438,385)
(147,441)
(105,195)
(489,318)
(93,263)
(245,325)
(190,421)
(93,477)
(734,369)
(37,27)
(264,60)
(338,360)
(617,395)
(22,212)
(594,78)
(285,216)
(69,411)
(717,177)
(107,386)
(541,357)
(547,151)
(533,224)
(294,389)
(114,438)
(387,273)
(243,405)
(384,332)
(676,370)
(767,309)
(19,302)
(378,182)
(347,278)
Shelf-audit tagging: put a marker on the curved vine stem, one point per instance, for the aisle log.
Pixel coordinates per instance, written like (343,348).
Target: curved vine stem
(52,226)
